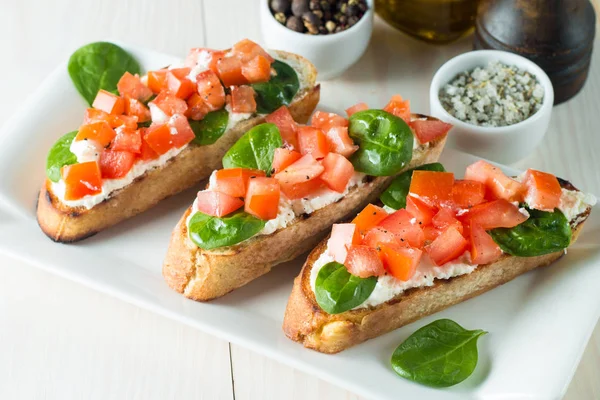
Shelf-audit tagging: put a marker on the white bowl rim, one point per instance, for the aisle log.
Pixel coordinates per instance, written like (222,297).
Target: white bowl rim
(507,58)
(314,38)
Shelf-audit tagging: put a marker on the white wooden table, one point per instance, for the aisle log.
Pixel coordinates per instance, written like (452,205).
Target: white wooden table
(60,340)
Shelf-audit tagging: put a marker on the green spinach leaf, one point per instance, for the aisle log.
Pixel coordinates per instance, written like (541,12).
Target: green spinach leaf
(544,232)
(336,290)
(209,232)
(98,66)
(255,149)
(279,90)
(209,129)
(395,195)
(386,142)
(440,354)
(59,156)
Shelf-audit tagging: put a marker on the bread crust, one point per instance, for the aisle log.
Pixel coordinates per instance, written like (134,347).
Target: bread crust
(206,274)
(307,323)
(69,224)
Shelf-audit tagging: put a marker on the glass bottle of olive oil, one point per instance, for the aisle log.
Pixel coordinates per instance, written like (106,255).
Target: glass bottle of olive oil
(436,21)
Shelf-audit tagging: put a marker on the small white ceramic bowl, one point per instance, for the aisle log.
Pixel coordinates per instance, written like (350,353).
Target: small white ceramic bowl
(505,144)
(331,54)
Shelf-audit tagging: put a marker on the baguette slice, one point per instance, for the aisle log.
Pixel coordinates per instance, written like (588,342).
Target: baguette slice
(307,323)
(194,164)
(206,274)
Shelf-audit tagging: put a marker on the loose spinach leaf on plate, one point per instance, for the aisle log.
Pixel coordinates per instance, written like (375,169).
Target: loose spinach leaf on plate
(98,66)
(209,129)
(255,149)
(440,354)
(59,156)
(386,142)
(395,195)
(279,90)
(336,290)
(209,232)
(544,232)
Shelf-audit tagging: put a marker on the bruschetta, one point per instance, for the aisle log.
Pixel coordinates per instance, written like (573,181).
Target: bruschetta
(291,188)
(431,242)
(153,136)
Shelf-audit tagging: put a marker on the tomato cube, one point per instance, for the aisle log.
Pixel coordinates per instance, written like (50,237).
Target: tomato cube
(157,80)
(234,181)
(405,226)
(338,172)
(127,121)
(325,121)
(495,214)
(431,233)
(399,107)
(127,140)
(159,138)
(136,108)
(115,164)
(197,108)
(94,115)
(422,211)
(179,85)
(448,246)
(210,90)
(427,131)
(432,187)
(288,128)
(303,170)
(217,204)
(257,70)
(170,104)
(401,261)
(356,108)
(262,198)
(543,191)
(108,102)
(181,130)
(377,236)
(131,86)
(466,194)
(363,261)
(342,237)
(483,248)
(146,152)
(283,158)
(202,56)
(340,141)
(230,71)
(101,132)
(246,50)
(242,99)
(312,141)
(302,189)
(445,218)
(81,180)
(499,185)
(369,218)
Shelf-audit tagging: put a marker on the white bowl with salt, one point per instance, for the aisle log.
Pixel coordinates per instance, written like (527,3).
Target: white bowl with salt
(499,103)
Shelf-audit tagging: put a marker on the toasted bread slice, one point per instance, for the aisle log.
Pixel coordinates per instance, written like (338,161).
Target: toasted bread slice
(206,274)
(194,164)
(307,323)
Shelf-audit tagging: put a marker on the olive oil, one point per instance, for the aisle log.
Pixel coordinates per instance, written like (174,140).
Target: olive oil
(436,21)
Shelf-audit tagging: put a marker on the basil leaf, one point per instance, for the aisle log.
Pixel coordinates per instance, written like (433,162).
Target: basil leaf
(255,149)
(385,141)
(395,195)
(59,156)
(544,232)
(145,124)
(440,354)
(98,66)
(211,128)
(337,290)
(209,232)
(278,91)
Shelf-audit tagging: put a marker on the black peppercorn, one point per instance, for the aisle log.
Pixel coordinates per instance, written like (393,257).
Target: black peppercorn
(311,22)
(352,20)
(351,10)
(299,7)
(318,13)
(323,30)
(325,5)
(314,5)
(295,23)
(281,6)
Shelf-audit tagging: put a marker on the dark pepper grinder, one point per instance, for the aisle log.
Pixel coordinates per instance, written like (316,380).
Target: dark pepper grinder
(558,35)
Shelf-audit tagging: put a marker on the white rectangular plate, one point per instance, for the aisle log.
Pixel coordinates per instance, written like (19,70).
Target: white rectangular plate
(538,324)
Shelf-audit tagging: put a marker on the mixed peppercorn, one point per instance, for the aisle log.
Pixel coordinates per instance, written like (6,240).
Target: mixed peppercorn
(318,17)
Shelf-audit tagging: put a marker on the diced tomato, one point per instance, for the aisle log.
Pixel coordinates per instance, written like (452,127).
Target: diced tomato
(262,198)
(338,172)
(115,164)
(401,261)
(210,90)
(94,115)
(432,187)
(448,246)
(184,133)
(170,104)
(197,108)
(542,190)
(404,225)
(288,128)
(363,261)
(108,102)
(399,107)
(427,131)
(293,177)
(302,189)
(246,50)
(179,72)
(146,152)
(342,237)
(81,180)
(499,185)
(242,99)
(180,85)
(136,108)
(445,218)
(230,71)
(127,140)
(483,248)
(217,204)
(157,80)
(378,236)
(283,158)
(356,108)
(325,121)
(431,233)
(466,194)
(494,214)
(101,132)
(312,141)
(235,181)
(130,122)
(257,70)
(422,211)
(159,138)
(340,142)
(369,218)
(205,56)
(131,86)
